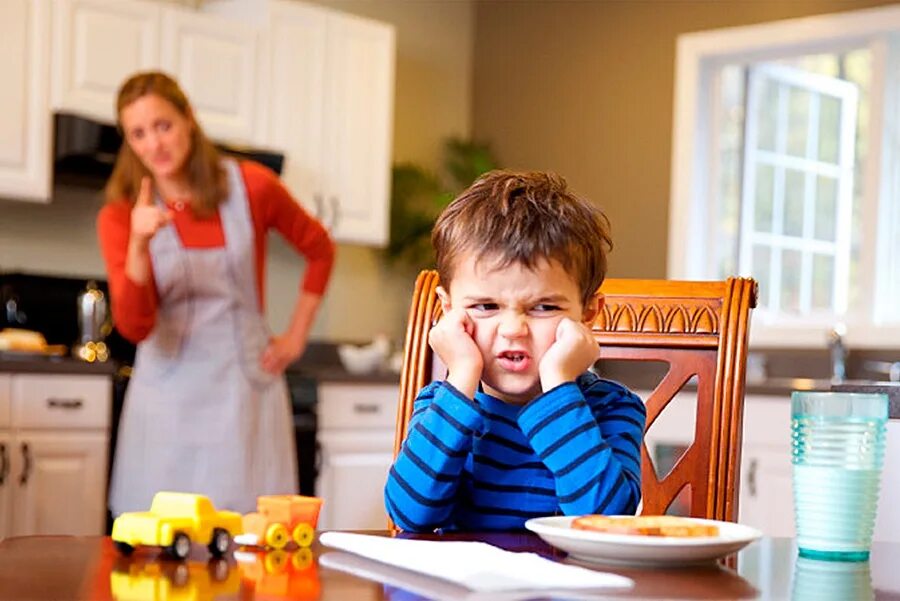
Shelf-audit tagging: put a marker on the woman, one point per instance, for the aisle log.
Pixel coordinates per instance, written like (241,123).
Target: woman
(183,234)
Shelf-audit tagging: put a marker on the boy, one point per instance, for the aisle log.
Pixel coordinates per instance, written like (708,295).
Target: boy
(519,428)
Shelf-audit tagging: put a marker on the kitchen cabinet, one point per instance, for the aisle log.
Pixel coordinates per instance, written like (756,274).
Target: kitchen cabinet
(216,60)
(356,441)
(55,433)
(96,45)
(331,110)
(25,133)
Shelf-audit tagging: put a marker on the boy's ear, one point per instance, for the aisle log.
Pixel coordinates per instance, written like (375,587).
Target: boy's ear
(593,307)
(445,298)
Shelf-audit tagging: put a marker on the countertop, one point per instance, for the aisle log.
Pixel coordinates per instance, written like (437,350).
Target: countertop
(31,364)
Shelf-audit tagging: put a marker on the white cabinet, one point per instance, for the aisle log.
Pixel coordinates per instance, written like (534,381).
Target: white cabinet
(55,435)
(24,115)
(356,439)
(766,497)
(216,60)
(331,112)
(96,45)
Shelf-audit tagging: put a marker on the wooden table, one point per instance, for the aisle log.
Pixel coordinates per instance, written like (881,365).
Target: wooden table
(89,568)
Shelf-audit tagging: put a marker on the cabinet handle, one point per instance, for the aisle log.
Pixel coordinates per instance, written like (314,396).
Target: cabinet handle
(317,199)
(335,213)
(751,477)
(64,403)
(365,408)
(26,470)
(4,464)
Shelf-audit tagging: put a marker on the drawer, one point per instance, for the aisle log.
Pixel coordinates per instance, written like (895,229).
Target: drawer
(357,405)
(5,403)
(61,401)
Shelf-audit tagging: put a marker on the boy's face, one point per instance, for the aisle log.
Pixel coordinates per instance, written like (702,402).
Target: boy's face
(515,312)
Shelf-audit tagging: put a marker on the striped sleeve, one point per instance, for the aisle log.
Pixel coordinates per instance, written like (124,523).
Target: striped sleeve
(590,441)
(420,493)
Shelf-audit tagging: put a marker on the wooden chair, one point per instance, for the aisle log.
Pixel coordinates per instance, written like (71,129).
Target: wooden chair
(698,328)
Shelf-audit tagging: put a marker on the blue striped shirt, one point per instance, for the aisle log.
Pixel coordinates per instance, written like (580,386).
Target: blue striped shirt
(489,465)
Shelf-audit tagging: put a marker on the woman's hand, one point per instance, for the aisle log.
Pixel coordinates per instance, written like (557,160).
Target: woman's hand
(453,341)
(146,217)
(281,352)
(573,351)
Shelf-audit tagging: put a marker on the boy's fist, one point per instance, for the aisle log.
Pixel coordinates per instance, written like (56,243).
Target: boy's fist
(569,356)
(452,340)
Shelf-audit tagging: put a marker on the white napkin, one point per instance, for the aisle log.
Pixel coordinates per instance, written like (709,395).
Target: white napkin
(475,566)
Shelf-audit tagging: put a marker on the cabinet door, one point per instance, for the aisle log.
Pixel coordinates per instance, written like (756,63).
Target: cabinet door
(216,60)
(96,45)
(59,483)
(297,56)
(6,483)
(766,497)
(24,116)
(887,521)
(358,127)
(353,471)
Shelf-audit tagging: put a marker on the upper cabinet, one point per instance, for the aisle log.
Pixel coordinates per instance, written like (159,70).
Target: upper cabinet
(331,111)
(96,45)
(216,60)
(313,83)
(24,116)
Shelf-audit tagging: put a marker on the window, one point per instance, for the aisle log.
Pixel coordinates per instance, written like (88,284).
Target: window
(786,168)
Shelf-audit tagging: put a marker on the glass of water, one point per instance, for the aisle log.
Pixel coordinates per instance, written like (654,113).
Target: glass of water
(838,441)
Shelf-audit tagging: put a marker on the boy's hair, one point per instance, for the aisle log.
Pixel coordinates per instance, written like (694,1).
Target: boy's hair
(524,217)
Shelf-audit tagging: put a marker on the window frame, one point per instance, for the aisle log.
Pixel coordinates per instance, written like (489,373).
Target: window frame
(699,59)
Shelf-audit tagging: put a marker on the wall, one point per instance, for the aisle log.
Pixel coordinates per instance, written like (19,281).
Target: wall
(433,101)
(586,89)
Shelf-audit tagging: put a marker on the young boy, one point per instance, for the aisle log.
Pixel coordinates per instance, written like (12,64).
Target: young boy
(519,428)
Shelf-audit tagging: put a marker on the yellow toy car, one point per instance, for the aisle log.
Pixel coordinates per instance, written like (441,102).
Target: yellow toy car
(150,580)
(174,520)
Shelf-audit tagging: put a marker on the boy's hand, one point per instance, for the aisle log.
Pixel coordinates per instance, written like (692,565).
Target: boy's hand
(569,356)
(452,340)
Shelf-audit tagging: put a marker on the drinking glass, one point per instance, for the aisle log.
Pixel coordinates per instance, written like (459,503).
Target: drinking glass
(838,441)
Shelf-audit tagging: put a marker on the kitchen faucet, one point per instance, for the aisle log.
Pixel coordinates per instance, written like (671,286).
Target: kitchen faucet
(838,353)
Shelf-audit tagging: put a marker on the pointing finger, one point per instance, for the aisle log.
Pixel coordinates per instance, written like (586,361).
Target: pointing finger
(145,195)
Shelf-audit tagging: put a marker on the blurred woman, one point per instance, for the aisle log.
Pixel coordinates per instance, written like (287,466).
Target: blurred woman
(183,234)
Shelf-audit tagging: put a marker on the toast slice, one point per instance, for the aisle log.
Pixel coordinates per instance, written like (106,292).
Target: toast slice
(645,525)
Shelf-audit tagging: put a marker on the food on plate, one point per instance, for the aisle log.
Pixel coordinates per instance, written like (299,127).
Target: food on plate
(646,525)
(16,339)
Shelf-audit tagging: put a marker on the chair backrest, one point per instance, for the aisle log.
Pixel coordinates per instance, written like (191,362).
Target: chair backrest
(700,329)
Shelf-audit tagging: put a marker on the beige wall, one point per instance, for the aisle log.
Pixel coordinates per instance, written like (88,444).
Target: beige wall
(433,100)
(586,89)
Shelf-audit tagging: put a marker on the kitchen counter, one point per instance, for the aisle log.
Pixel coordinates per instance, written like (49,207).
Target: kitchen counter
(12,362)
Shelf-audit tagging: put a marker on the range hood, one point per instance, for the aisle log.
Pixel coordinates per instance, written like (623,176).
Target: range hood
(84,151)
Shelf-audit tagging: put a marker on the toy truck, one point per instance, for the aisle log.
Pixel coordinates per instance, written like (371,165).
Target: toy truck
(278,519)
(174,520)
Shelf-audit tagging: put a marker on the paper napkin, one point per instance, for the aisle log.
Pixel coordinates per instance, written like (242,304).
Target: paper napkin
(473,565)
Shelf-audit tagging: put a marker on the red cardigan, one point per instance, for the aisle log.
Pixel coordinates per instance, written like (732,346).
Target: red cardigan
(271,206)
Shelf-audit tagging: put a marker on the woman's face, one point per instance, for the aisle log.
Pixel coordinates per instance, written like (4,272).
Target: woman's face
(159,134)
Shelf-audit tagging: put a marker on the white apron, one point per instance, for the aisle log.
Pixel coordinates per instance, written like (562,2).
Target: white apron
(200,414)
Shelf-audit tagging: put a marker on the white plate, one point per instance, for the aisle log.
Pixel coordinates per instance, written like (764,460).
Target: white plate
(632,549)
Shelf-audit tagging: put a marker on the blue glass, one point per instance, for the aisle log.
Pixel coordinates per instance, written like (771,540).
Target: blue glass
(838,441)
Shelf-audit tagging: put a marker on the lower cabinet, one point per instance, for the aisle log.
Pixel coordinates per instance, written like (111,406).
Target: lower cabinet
(54,435)
(356,445)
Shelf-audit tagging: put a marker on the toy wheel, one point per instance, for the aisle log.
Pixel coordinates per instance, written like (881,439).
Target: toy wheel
(180,547)
(276,536)
(304,535)
(302,558)
(123,548)
(219,543)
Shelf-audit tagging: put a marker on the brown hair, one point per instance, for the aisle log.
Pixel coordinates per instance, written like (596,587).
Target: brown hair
(204,172)
(524,218)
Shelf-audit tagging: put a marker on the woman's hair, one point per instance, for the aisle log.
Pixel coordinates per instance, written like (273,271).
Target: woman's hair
(523,218)
(204,172)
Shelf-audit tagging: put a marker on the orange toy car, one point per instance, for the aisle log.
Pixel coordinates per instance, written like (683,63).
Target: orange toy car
(280,573)
(281,518)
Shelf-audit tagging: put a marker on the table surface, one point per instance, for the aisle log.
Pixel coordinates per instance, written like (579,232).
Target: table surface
(89,568)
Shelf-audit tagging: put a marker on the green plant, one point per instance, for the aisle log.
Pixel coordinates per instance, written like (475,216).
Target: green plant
(418,196)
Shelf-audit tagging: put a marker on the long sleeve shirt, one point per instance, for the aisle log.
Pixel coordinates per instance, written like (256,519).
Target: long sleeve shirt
(484,464)
(134,305)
